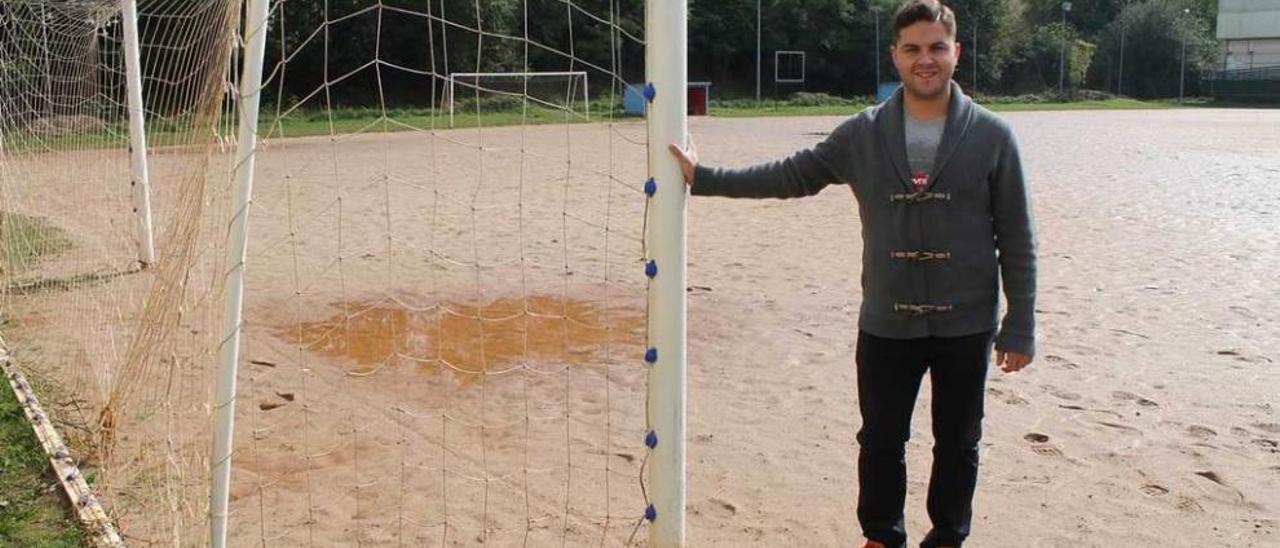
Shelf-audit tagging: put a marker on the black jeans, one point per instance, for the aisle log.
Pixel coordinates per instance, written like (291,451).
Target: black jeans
(889,375)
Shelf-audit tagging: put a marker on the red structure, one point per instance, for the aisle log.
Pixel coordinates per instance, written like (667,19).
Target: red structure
(699,98)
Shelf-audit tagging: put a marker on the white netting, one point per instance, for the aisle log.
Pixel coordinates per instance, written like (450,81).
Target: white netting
(443,328)
(122,352)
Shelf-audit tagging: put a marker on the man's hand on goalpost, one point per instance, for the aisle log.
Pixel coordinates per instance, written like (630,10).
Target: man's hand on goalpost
(687,158)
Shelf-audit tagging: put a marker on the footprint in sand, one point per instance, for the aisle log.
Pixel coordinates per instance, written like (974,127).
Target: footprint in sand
(1119,426)
(1269,445)
(1212,476)
(1200,432)
(1061,362)
(1063,394)
(1269,427)
(1153,490)
(722,508)
(1046,450)
(1040,445)
(1187,504)
(1245,312)
(1129,396)
(1007,397)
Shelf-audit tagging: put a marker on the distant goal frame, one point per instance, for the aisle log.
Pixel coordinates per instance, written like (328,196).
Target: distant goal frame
(777,66)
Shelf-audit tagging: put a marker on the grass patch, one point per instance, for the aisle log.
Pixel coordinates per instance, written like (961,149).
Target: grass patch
(780,108)
(1118,103)
(303,123)
(496,114)
(32,510)
(1023,103)
(498,111)
(821,104)
(25,239)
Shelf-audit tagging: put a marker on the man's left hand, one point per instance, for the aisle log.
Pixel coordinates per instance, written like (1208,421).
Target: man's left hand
(1012,362)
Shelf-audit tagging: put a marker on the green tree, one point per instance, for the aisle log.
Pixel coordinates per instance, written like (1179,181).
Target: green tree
(836,35)
(335,42)
(1154,33)
(994,24)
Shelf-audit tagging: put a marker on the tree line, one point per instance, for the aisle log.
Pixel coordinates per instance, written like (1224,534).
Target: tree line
(1016,44)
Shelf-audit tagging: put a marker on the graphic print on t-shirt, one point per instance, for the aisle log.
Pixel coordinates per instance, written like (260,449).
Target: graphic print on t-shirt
(922,147)
(920,180)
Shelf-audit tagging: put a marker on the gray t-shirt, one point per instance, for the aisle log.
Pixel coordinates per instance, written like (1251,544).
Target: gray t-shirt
(922,147)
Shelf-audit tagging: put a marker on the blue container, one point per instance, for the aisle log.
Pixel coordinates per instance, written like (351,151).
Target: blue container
(886,90)
(633,100)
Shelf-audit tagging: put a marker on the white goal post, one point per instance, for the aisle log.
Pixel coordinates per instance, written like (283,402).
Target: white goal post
(140,175)
(528,277)
(793,58)
(471,80)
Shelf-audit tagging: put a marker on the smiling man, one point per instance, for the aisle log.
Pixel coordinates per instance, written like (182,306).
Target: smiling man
(945,220)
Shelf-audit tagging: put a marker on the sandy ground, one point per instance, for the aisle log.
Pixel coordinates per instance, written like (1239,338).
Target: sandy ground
(1148,419)
(1156,383)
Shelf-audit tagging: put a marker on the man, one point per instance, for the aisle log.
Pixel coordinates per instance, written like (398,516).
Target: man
(945,217)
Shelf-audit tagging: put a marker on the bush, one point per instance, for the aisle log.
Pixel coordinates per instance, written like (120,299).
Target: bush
(494,103)
(1046,97)
(816,99)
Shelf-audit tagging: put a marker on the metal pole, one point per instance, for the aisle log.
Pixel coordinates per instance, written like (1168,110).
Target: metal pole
(141,179)
(1062,53)
(1182,74)
(975,53)
(666,57)
(877,48)
(758,50)
(255,33)
(45,23)
(1120,80)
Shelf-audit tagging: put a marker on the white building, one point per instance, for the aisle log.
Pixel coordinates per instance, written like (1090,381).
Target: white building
(1249,33)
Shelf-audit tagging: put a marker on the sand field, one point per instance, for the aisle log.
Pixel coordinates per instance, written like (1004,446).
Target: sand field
(444,335)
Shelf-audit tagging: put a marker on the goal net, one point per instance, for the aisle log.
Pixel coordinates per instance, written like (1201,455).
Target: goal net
(437,335)
(118,353)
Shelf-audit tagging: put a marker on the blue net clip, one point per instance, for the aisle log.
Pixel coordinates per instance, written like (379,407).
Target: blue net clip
(650,92)
(651,269)
(651,513)
(651,355)
(650,187)
(651,439)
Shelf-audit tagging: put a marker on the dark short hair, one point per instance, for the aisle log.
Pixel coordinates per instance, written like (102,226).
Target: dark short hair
(915,11)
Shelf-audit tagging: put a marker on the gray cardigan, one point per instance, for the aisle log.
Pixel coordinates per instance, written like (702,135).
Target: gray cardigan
(930,258)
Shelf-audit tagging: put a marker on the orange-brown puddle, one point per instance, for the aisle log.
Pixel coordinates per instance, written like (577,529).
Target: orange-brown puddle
(492,337)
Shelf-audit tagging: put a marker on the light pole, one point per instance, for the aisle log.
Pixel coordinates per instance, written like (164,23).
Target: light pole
(975,54)
(1120,79)
(1182,74)
(1124,28)
(1062,52)
(876,11)
(757,50)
